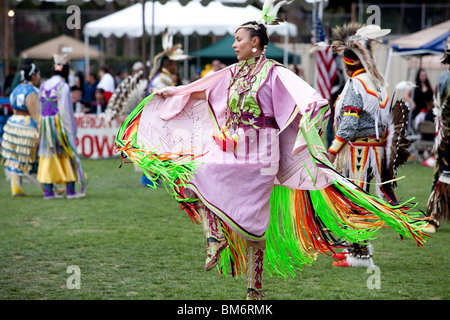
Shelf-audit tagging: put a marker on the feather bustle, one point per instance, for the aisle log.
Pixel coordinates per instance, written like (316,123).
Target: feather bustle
(126,96)
(397,149)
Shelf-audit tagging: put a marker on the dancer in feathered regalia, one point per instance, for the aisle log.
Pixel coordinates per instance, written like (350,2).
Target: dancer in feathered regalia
(438,205)
(241,151)
(370,142)
(59,162)
(164,72)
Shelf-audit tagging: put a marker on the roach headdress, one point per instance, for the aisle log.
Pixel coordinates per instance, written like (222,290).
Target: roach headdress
(360,39)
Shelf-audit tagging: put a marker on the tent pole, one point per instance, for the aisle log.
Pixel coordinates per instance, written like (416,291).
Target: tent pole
(313,33)
(86,55)
(286,43)
(143,41)
(388,63)
(152,47)
(185,62)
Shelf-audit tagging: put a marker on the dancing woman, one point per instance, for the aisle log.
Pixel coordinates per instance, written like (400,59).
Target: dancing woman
(241,150)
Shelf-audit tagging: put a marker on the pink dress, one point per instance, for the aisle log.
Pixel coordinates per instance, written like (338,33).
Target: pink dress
(277,184)
(237,185)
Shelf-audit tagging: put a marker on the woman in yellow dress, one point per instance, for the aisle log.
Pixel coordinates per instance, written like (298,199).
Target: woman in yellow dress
(58,160)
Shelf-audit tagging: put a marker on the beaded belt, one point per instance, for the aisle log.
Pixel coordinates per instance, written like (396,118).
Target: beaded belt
(261,122)
(370,141)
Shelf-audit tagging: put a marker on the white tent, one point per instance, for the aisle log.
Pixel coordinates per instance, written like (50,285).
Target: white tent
(193,18)
(215,18)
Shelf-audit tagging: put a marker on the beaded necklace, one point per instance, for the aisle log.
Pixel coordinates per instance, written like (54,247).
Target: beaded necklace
(244,79)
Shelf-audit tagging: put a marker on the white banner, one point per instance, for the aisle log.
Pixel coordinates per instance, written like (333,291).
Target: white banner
(95,138)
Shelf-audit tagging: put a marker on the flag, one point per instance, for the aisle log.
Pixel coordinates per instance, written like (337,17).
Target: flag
(326,69)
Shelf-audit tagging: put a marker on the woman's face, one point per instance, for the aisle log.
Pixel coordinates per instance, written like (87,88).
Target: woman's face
(422,76)
(244,44)
(35,78)
(173,67)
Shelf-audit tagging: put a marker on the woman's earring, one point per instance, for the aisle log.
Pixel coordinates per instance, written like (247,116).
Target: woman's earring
(253,50)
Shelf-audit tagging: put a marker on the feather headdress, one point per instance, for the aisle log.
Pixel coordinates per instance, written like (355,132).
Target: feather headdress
(362,40)
(61,59)
(270,10)
(173,52)
(269,13)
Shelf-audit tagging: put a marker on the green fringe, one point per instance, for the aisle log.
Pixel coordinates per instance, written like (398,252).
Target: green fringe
(172,174)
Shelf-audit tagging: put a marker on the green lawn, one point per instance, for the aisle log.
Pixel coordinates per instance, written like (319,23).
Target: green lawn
(132,242)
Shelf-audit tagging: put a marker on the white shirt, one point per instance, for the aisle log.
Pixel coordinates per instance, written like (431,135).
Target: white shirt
(106,83)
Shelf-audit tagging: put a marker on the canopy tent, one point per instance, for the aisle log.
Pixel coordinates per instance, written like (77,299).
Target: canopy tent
(63,43)
(423,42)
(192,18)
(222,49)
(215,18)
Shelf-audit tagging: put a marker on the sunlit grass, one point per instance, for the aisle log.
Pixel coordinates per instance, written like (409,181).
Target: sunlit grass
(133,242)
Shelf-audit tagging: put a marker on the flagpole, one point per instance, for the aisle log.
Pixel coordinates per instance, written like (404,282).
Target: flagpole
(319,13)
(314,35)
(144,40)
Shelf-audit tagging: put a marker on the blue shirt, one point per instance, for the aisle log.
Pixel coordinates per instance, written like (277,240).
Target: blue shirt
(20,94)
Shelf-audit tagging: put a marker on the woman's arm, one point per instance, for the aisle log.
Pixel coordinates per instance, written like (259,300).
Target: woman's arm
(170,91)
(200,95)
(32,105)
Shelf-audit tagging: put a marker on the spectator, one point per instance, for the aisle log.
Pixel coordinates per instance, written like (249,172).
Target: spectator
(7,86)
(137,66)
(106,83)
(419,97)
(197,75)
(77,100)
(89,88)
(100,103)
(206,70)
(216,65)
(79,81)
(426,114)
(293,68)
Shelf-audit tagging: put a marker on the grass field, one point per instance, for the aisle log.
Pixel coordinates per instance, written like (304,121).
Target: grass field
(134,243)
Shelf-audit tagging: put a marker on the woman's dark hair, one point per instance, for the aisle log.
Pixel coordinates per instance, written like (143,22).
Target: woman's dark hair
(427,82)
(63,72)
(105,69)
(28,70)
(260,32)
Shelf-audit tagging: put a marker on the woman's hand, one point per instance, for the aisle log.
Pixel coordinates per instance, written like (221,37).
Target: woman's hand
(166,92)
(170,92)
